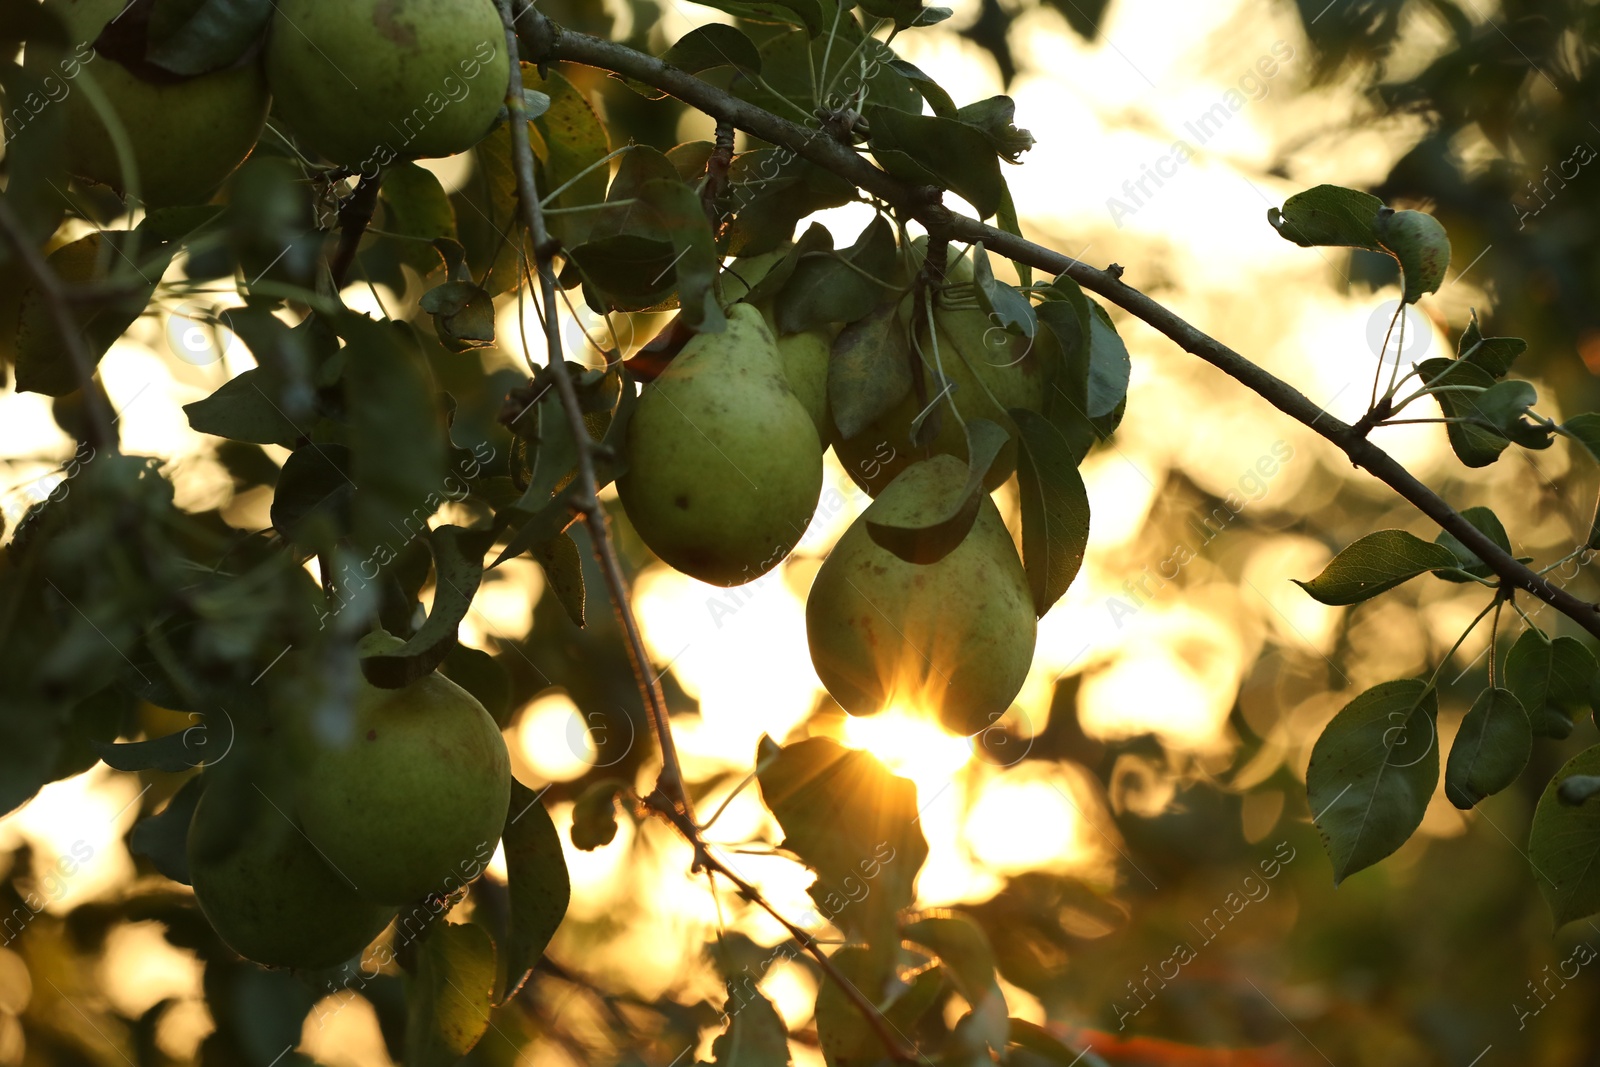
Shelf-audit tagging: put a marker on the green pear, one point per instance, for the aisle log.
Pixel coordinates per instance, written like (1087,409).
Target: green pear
(417,797)
(986,371)
(365,82)
(273,899)
(805,365)
(724,466)
(954,637)
(185,137)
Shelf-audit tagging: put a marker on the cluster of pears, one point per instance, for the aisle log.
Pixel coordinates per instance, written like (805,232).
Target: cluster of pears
(724,472)
(363,82)
(410,806)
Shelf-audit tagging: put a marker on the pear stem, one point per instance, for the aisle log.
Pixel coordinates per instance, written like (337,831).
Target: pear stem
(586,500)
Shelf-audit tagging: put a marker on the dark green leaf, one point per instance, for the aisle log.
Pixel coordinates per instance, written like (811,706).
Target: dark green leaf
(847,818)
(418,208)
(1467,560)
(939,101)
(572,140)
(481,675)
(1475,445)
(935,151)
(397,437)
(963,951)
(1328,215)
(948,525)
(463,315)
(1564,845)
(563,572)
(181,750)
(458,569)
(594,815)
(1418,241)
(714,45)
(869,370)
(1494,355)
(449,998)
(806,14)
(627,272)
(1490,750)
(213,35)
(846,1038)
(1109,365)
(1585,429)
(536,877)
(771,189)
(823,289)
(755,1036)
(311,505)
(1552,679)
(1055,507)
(695,260)
(994,118)
(241,410)
(163,838)
(1005,306)
(1375,564)
(1372,773)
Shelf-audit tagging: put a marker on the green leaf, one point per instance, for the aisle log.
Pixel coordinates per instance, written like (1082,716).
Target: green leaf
(939,101)
(537,882)
(213,35)
(1467,561)
(869,370)
(463,315)
(1474,445)
(311,503)
(1418,241)
(1585,429)
(847,818)
(626,272)
(458,569)
(416,206)
(1494,355)
(905,13)
(1109,365)
(1490,750)
(806,14)
(1033,1038)
(964,953)
(397,437)
(571,142)
(1505,405)
(1552,680)
(1375,564)
(1372,773)
(714,45)
(1328,215)
(695,260)
(448,1001)
(1564,845)
(947,526)
(994,118)
(1002,303)
(163,837)
(827,286)
(936,151)
(1055,507)
(241,409)
(755,1035)
(42,362)
(563,572)
(481,675)
(181,750)
(846,1038)
(773,189)
(594,814)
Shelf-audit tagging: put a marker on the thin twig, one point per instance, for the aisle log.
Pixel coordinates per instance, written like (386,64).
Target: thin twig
(354,216)
(587,499)
(100,426)
(546,41)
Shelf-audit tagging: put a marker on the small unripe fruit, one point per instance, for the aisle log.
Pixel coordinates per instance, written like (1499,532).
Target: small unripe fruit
(414,804)
(186,137)
(273,899)
(953,637)
(365,82)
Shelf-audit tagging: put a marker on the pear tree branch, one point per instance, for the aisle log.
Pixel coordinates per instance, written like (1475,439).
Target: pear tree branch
(544,41)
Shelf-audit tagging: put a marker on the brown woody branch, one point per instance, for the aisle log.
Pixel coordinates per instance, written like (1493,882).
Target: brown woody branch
(544,41)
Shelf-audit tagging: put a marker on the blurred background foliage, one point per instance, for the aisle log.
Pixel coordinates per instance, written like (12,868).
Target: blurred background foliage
(1146,794)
